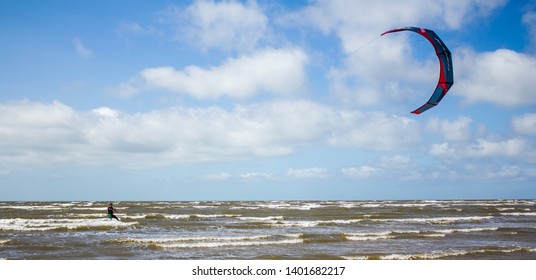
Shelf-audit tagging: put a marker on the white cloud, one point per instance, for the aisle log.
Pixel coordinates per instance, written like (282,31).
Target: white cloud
(355,22)
(507,148)
(525,124)
(229,25)
(529,19)
(441,150)
(395,162)
(222,176)
(279,71)
(308,173)
(376,131)
(505,172)
(81,50)
(389,72)
(361,171)
(503,77)
(36,133)
(457,130)
(127,28)
(518,149)
(256,176)
(384,68)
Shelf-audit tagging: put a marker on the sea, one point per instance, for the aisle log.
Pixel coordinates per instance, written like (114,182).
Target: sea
(270,230)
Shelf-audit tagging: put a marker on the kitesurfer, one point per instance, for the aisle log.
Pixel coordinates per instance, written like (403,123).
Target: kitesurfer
(111,211)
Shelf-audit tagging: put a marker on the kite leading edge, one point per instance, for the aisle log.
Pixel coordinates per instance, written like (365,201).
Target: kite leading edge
(446,72)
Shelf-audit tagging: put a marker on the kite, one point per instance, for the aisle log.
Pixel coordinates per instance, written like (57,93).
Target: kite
(446,72)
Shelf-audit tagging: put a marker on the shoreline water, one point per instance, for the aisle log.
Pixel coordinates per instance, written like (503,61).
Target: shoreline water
(281,230)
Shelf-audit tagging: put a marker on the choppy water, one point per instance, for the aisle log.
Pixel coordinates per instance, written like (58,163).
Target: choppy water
(489,229)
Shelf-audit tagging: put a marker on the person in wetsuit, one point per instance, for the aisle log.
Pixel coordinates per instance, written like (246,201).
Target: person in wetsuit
(111,211)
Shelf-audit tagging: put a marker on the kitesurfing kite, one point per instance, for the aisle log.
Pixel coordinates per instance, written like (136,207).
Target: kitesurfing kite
(445,66)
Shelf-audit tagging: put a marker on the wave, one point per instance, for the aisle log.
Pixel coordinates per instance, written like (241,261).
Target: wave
(268,218)
(452,253)
(436,220)
(401,234)
(210,216)
(182,216)
(96,208)
(369,236)
(280,221)
(213,241)
(18,224)
(519,214)
(31,207)
(285,206)
(229,244)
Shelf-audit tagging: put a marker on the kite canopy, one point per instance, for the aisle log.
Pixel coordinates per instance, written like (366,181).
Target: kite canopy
(446,79)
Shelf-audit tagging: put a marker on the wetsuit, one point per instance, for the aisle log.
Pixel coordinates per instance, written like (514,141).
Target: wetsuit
(111,213)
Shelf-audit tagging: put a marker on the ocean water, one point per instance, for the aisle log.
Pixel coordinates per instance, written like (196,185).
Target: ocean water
(282,230)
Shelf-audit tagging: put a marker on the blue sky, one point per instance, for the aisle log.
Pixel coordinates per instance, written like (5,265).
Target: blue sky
(238,100)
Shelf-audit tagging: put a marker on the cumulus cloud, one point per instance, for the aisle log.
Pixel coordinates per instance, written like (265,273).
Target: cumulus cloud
(229,25)
(130,28)
(457,130)
(505,172)
(279,71)
(361,171)
(518,149)
(38,133)
(525,124)
(80,49)
(502,77)
(339,16)
(506,148)
(395,161)
(256,176)
(384,68)
(218,177)
(308,173)
(529,19)
(376,131)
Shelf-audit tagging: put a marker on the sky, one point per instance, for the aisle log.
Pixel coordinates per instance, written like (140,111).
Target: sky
(265,100)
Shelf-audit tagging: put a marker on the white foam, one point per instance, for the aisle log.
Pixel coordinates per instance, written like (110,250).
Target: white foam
(96,208)
(449,231)
(204,206)
(52,224)
(369,236)
(269,218)
(229,244)
(501,209)
(175,216)
(5,241)
(453,253)
(32,207)
(205,238)
(519,214)
(437,220)
(217,241)
(371,205)
(208,216)
(244,207)
(134,217)
(88,215)
(291,206)
(304,224)
(184,216)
